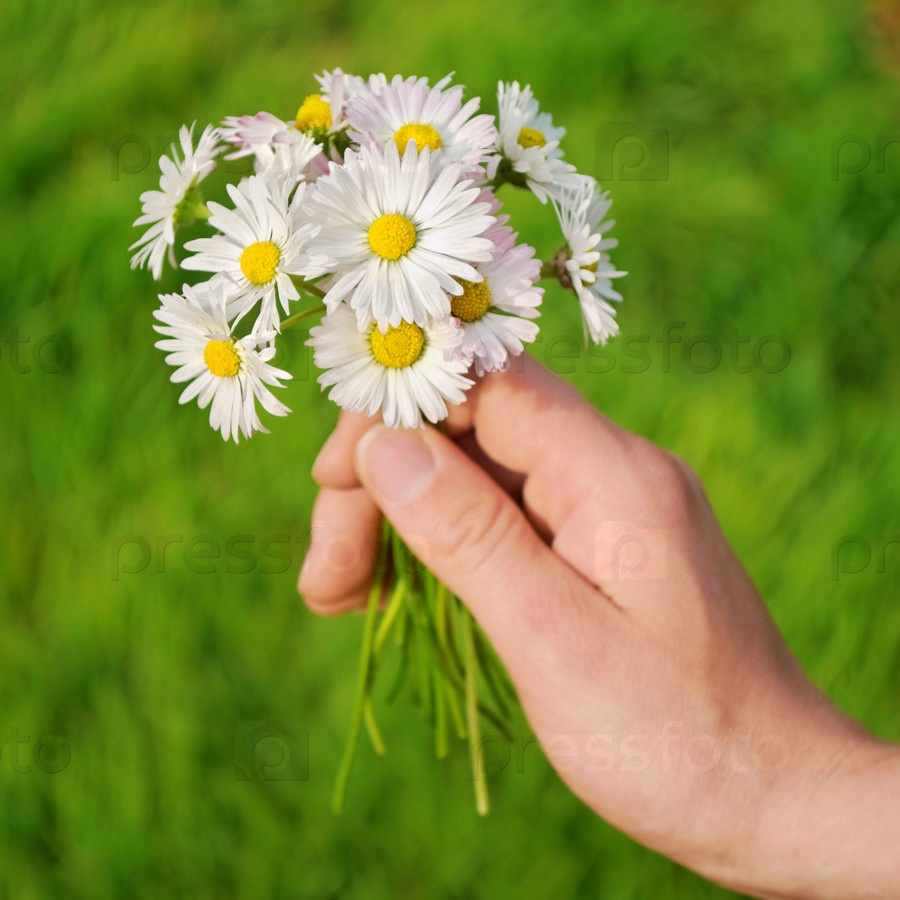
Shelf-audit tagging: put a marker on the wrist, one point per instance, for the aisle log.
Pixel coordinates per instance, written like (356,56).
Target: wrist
(827,826)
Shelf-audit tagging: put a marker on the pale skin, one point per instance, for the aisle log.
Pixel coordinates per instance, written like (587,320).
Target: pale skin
(645,660)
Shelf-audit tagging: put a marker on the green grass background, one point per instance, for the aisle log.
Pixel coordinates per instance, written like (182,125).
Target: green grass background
(148,676)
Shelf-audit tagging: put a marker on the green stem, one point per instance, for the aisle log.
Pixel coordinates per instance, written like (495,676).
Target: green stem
(452,679)
(445,694)
(403,668)
(549,270)
(481,795)
(300,316)
(307,287)
(495,670)
(455,711)
(190,209)
(440,717)
(373,729)
(484,661)
(452,611)
(423,653)
(395,604)
(362,699)
(506,174)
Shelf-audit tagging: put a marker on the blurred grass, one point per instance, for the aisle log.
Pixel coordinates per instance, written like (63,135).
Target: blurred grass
(148,676)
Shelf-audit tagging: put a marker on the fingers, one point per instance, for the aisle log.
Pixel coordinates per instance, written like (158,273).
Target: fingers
(339,567)
(588,486)
(472,535)
(525,424)
(333,466)
(531,421)
(511,482)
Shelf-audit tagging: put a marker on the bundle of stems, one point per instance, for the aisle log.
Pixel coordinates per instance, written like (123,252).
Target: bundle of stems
(444,658)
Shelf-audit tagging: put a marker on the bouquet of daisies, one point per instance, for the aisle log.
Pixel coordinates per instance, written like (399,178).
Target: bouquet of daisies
(374,213)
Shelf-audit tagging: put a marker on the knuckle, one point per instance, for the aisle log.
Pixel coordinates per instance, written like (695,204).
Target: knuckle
(677,484)
(474,534)
(681,472)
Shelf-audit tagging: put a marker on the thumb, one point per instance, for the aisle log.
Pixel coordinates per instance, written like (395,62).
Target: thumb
(472,536)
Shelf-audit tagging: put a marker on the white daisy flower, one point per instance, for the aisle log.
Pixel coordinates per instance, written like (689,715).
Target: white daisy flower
(494,313)
(585,265)
(528,151)
(407,373)
(177,201)
(261,245)
(338,89)
(257,134)
(409,110)
(322,114)
(276,146)
(253,135)
(295,157)
(401,232)
(227,371)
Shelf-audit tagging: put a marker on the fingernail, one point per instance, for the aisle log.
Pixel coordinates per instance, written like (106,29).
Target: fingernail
(397,461)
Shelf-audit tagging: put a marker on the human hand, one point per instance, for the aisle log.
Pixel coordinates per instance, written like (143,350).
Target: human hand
(648,666)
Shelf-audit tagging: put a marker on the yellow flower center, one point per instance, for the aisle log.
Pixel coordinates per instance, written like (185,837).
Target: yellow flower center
(314,114)
(474,301)
(398,347)
(592,267)
(423,135)
(259,262)
(531,137)
(221,358)
(392,236)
